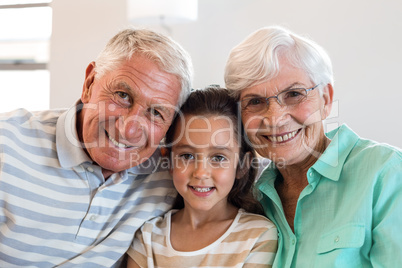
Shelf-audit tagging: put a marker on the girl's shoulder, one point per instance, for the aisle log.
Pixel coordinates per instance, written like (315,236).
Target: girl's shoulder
(252,227)
(160,223)
(249,220)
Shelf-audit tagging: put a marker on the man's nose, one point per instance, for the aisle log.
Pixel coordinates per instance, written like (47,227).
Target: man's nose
(131,124)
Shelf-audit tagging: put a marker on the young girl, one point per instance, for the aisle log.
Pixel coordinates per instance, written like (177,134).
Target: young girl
(214,221)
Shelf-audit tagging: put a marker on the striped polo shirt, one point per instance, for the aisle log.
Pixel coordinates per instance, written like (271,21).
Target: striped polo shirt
(56,209)
(250,241)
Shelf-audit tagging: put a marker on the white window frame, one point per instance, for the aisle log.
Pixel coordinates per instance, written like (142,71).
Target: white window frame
(21,65)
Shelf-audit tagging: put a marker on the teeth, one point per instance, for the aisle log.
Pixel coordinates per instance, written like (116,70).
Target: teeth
(202,190)
(118,144)
(282,138)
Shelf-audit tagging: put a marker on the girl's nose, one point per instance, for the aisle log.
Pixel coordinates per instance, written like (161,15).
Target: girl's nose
(202,169)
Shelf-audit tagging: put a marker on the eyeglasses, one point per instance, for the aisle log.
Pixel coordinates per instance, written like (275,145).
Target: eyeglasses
(288,97)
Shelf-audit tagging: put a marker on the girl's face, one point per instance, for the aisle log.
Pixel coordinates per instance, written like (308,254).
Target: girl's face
(205,156)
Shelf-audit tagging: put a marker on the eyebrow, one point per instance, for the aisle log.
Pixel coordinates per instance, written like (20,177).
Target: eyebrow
(122,85)
(158,106)
(187,146)
(298,84)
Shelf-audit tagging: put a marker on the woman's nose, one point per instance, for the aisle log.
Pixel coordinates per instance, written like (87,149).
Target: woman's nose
(275,114)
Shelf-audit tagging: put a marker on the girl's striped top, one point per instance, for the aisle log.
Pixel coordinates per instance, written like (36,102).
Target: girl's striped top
(250,241)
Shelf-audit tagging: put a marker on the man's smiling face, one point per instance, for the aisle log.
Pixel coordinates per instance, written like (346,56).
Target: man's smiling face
(126,113)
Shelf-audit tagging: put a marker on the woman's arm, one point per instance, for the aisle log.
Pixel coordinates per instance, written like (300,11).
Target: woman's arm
(387,219)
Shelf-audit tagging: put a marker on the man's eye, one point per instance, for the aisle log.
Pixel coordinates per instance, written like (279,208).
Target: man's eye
(156,113)
(123,95)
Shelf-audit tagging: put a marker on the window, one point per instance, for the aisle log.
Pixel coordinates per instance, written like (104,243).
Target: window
(25,30)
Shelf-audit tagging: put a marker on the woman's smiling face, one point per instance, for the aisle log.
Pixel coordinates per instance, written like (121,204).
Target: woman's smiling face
(287,134)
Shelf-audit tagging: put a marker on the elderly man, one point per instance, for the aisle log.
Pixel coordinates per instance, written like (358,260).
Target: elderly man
(76,184)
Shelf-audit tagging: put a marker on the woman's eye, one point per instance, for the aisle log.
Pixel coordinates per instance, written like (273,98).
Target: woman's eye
(293,94)
(296,93)
(255,101)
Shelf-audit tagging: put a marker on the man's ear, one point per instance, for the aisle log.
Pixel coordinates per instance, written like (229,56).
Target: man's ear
(244,166)
(327,95)
(89,80)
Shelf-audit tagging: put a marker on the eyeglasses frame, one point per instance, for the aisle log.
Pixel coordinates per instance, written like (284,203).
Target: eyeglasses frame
(276,96)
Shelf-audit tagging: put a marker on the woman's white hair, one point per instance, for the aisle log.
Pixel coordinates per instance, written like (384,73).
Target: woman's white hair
(165,52)
(256,59)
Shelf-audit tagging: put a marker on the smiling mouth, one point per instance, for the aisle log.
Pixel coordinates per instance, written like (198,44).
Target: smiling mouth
(116,143)
(282,138)
(202,189)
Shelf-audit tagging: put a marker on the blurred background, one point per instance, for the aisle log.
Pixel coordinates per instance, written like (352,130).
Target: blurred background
(45,47)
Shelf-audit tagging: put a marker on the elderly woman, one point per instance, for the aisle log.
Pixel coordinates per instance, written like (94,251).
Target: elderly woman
(336,198)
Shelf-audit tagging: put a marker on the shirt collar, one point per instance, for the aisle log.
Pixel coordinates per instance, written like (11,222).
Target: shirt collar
(330,164)
(266,182)
(69,148)
(71,153)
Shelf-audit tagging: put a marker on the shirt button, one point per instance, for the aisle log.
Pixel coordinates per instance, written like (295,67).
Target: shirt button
(336,239)
(311,174)
(92,218)
(90,169)
(293,241)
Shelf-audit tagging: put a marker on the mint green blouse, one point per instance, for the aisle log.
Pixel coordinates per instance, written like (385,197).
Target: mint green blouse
(350,214)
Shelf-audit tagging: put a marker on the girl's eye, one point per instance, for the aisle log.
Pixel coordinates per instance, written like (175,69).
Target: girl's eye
(218,158)
(186,156)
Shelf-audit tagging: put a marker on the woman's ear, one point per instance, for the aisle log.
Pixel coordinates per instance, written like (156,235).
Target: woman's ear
(327,95)
(243,166)
(89,80)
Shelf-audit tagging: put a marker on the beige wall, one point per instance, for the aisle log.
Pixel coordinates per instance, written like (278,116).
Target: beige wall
(80,31)
(362,37)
